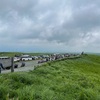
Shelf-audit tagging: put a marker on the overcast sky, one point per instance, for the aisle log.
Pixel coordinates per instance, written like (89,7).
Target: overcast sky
(50,25)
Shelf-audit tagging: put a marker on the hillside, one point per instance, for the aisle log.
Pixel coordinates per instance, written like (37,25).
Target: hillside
(68,79)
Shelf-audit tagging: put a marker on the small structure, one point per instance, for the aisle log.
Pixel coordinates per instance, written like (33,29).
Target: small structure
(82,53)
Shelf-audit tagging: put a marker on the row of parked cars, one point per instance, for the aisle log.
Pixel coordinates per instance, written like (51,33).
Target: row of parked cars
(6,61)
(25,58)
(53,57)
(43,58)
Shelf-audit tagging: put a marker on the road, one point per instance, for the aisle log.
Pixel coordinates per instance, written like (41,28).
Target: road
(29,65)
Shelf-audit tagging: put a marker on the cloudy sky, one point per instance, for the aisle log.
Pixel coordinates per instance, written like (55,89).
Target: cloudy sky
(50,25)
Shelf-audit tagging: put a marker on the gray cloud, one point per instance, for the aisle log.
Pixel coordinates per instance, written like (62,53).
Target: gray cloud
(71,25)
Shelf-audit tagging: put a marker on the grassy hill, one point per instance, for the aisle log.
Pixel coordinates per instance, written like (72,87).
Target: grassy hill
(68,79)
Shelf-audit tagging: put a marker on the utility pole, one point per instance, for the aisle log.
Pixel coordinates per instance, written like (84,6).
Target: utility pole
(12,64)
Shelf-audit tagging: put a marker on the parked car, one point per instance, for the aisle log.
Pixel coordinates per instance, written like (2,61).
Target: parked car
(16,59)
(42,61)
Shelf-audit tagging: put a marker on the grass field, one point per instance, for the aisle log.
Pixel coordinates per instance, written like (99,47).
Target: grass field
(68,79)
(11,54)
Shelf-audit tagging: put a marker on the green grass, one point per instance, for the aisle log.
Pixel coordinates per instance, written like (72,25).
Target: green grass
(69,79)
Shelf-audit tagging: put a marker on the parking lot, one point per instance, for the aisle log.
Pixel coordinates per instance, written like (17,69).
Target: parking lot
(29,65)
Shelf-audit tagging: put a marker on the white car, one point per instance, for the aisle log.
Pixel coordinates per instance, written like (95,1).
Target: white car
(16,59)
